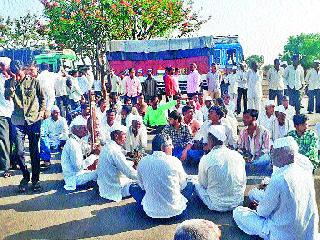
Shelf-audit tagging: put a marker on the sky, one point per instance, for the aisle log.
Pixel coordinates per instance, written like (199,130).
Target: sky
(263,26)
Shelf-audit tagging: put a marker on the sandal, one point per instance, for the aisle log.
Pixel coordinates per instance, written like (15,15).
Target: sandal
(6,174)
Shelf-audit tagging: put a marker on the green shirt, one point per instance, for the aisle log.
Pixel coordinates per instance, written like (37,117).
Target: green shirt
(28,99)
(158,117)
(308,145)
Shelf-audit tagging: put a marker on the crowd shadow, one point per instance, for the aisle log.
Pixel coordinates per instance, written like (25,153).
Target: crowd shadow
(125,218)
(59,200)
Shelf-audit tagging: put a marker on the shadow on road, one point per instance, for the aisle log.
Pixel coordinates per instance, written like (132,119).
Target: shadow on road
(113,220)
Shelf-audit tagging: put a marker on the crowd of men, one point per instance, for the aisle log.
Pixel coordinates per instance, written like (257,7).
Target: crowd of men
(107,141)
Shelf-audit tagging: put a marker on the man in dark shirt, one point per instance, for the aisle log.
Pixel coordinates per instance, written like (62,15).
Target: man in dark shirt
(150,86)
(29,108)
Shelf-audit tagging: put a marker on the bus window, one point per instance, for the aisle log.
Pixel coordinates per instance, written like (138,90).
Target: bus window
(231,56)
(216,58)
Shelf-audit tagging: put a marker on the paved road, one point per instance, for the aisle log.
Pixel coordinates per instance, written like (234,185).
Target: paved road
(83,214)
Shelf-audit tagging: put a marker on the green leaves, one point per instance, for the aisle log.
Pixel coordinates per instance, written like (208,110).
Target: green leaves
(306,45)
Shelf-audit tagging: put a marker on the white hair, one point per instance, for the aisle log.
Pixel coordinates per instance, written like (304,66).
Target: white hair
(197,229)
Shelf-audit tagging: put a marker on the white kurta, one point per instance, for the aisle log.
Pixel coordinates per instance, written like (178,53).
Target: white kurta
(278,131)
(254,89)
(47,82)
(139,142)
(288,209)
(266,121)
(74,166)
(114,172)
(162,177)
(55,130)
(222,179)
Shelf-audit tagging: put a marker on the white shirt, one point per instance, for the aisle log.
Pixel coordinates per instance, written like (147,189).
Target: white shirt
(114,171)
(55,130)
(266,121)
(290,112)
(222,179)
(139,142)
(75,91)
(72,162)
(6,106)
(205,112)
(294,78)
(162,177)
(289,205)
(47,82)
(233,80)
(213,81)
(193,82)
(60,86)
(254,84)
(243,81)
(97,85)
(83,84)
(116,84)
(275,78)
(313,79)
(278,131)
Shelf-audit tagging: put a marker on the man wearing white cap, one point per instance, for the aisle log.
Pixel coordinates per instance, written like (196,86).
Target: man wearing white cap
(275,79)
(281,125)
(313,82)
(290,111)
(282,212)
(205,108)
(222,175)
(162,190)
(74,166)
(266,117)
(137,139)
(54,134)
(115,172)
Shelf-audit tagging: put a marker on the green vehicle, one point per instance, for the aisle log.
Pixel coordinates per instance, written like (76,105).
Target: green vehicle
(57,58)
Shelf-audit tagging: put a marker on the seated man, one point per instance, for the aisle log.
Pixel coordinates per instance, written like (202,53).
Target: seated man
(101,109)
(282,212)
(137,139)
(306,139)
(222,174)
(267,116)
(156,114)
(163,191)
(115,172)
(193,124)
(107,122)
(74,166)
(181,138)
(197,229)
(54,134)
(281,125)
(254,145)
(205,108)
(141,106)
(290,110)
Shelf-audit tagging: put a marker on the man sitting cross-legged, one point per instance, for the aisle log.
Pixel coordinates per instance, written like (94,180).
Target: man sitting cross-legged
(163,191)
(222,175)
(74,166)
(287,209)
(115,172)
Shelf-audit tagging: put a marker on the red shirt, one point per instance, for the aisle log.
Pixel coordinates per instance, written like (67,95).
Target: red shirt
(169,85)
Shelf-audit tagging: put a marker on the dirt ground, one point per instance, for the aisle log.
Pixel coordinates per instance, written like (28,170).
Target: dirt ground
(83,214)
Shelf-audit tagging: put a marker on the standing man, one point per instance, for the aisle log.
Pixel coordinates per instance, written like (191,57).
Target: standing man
(242,88)
(29,108)
(133,86)
(6,108)
(213,81)
(150,86)
(193,81)
(313,82)
(275,79)
(60,88)
(116,83)
(294,78)
(254,87)
(169,84)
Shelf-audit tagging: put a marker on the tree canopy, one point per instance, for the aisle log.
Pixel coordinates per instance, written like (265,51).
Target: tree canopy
(306,45)
(23,32)
(259,59)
